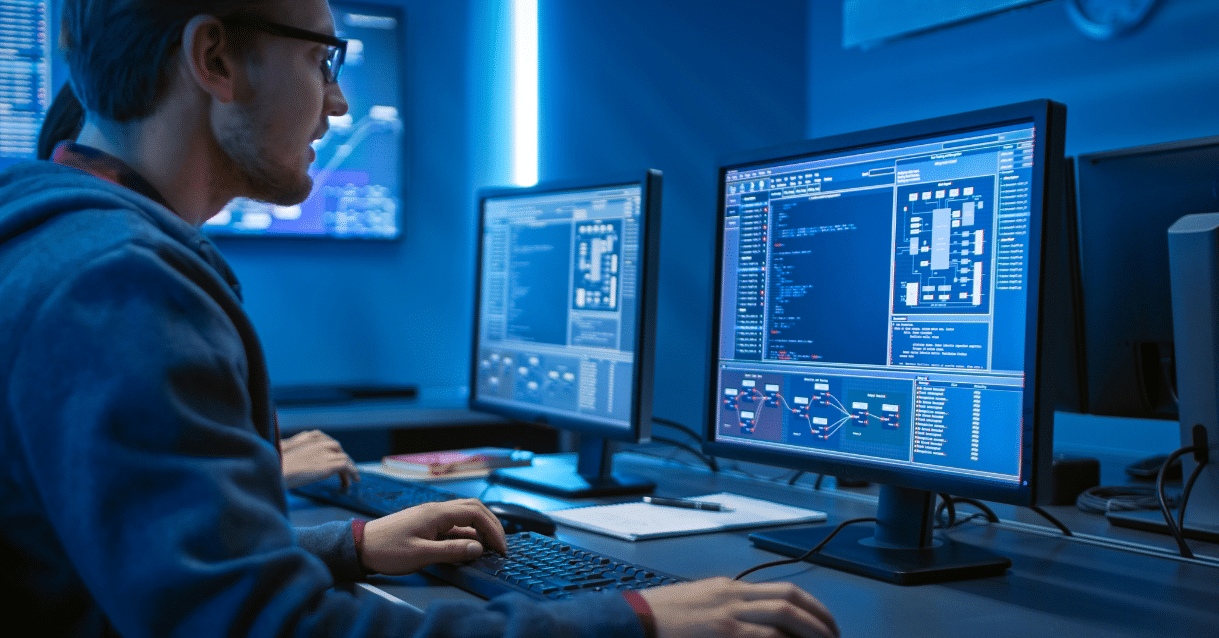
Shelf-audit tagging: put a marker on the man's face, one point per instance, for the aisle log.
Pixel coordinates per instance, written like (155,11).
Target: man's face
(268,132)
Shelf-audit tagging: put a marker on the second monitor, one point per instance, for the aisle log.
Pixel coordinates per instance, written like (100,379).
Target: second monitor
(565,320)
(879,305)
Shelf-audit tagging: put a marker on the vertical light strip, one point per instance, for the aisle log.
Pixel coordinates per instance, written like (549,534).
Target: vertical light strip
(524,92)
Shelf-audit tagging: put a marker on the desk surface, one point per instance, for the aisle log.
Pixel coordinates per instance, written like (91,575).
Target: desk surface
(1105,582)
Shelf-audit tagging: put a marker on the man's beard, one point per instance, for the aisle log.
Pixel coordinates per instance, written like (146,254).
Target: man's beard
(254,175)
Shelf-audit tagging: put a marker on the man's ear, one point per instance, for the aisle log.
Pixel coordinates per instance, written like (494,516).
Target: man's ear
(211,57)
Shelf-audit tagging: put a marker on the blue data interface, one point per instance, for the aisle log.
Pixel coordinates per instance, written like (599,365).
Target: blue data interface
(25,77)
(359,161)
(558,302)
(873,304)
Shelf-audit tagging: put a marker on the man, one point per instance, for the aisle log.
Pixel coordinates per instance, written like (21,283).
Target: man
(142,493)
(306,457)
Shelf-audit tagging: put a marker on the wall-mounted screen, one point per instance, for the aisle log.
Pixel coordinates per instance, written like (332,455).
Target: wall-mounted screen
(358,174)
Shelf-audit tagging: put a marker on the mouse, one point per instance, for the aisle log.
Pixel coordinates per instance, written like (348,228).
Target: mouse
(518,518)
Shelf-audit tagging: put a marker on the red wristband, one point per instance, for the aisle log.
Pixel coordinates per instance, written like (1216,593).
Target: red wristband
(643,610)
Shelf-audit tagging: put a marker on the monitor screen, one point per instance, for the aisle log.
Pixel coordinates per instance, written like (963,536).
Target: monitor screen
(877,304)
(25,77)
(359,170)
(561,323)
(1127,200)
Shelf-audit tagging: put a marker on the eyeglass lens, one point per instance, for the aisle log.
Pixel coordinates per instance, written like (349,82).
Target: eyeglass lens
(333,64)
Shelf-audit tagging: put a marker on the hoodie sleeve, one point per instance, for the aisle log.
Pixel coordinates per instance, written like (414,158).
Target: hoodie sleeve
(334,544)
(129,409)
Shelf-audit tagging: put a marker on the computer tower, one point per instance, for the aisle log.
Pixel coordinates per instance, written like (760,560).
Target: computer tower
(1193,259)
(1193,253)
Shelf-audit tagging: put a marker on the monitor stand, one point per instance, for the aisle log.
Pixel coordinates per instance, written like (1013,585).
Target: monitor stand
(592,476)
(899,548)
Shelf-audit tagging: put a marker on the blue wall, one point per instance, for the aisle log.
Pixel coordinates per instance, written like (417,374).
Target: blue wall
(671,85)
(1156,84)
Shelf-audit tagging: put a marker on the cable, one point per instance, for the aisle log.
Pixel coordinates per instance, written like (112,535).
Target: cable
(1057,523)
(986,510)
(1189,486)
(949,502)
(817,483)
(709,460)
(674,424)
(795,478)
(1168,518)
(1118,498)
(814,550)
(946,503)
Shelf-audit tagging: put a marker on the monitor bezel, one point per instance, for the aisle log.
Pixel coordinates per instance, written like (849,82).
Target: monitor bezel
(645,340)
(1049,120)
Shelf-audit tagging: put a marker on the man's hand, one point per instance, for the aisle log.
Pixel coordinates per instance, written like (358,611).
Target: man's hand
(724,607)
(444,532)
(312,456)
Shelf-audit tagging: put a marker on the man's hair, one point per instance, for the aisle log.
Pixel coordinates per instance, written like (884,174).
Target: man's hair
(62,122)
(119,50)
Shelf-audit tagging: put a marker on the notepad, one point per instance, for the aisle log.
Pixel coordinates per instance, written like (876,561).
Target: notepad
(638,520)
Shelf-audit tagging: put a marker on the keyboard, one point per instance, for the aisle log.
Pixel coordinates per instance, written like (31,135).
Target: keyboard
(545,568)
(374,494)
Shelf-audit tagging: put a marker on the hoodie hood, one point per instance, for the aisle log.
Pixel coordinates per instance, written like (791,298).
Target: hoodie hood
(34,194)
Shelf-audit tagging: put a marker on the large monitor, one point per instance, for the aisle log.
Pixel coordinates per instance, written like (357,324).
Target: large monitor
(878,300)
(565,318)
(1128,198)
(359,172)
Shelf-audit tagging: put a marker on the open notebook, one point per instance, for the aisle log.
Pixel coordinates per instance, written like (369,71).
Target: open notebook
(638,520)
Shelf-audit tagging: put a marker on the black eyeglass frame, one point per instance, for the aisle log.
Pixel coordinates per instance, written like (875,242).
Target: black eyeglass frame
(331,66)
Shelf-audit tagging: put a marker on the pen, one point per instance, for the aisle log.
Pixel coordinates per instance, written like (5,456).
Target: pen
(686,503)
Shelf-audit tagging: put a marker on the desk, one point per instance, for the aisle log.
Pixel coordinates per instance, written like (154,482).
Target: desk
(427,411)
(1057,586)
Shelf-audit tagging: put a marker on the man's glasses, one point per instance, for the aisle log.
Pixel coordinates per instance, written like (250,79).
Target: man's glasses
(336,47)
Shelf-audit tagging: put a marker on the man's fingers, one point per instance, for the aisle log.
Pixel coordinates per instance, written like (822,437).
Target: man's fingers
(450,551)
(789,617)
(469,512)
(750,630)
(301,438)
(462,532)
(793,595)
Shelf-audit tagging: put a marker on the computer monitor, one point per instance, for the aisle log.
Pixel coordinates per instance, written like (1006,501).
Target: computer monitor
(1128,198)
(25,77)
(359,172)
(878,299)
(565,320)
